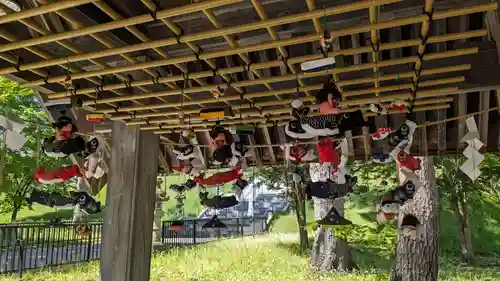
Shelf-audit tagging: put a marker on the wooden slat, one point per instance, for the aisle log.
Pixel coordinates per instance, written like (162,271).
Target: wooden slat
(255,151)
(267,138)
(484,103)
(367,143)
(131,194)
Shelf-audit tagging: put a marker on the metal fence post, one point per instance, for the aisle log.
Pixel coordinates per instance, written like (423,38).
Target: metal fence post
(238,227)
(21,258)
(163,232)
(89,244)
(194,232)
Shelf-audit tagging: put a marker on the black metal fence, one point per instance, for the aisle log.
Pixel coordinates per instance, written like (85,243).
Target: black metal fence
(192,231)
(34,245)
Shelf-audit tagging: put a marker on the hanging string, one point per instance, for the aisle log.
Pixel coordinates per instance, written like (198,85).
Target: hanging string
(425,124)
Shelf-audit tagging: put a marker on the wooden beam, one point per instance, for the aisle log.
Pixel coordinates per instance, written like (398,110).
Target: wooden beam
(350,144)
(255,151)
(367,143)
(484,103)
(422,134)
(441,132)
(355,44)
(263,58)
(497,92)
(267,138)
(461,100)
(128,222)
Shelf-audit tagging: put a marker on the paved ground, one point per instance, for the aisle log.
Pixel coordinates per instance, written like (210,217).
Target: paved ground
(35,257)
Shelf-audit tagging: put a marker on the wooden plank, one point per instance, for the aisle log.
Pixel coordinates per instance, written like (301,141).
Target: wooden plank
(441,132)
(421,134)
(162,161)
(255,151)
(350,144)
(263,58)
(128,222)
(484,103)
(367,143)
(497,92)
(355,44)
(267,138)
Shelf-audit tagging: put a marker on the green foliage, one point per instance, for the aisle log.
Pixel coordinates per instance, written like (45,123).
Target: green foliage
(19,104)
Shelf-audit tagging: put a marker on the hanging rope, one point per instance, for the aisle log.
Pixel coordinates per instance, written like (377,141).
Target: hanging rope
(425,124)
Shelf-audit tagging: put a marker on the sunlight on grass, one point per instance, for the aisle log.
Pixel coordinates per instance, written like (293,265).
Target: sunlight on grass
(268,257)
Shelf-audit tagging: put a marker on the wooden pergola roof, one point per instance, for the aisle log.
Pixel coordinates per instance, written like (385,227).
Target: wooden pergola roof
(149,62)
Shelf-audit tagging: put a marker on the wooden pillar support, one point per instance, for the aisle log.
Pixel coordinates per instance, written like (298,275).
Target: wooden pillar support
(484,103)
(130,203)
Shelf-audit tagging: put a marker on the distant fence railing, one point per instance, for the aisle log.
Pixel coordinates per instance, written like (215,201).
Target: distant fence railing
(34,245)
(193,232)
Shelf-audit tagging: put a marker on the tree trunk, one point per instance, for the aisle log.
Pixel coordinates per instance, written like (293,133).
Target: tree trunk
(301,222)
(461,212)
(329,252)
(418,231)
(467,249)
(15,211)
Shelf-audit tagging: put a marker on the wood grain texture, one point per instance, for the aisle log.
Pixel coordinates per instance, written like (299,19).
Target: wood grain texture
(128,223)
(417,257)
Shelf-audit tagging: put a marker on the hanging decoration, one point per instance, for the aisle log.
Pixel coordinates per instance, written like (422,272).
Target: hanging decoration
(342,169)
(95,117)
(299,153)
(390,203)
(474,158)
(378,109)
(381,158)
(12,137)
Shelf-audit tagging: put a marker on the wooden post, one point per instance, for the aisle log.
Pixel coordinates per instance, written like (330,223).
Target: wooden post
(128,222)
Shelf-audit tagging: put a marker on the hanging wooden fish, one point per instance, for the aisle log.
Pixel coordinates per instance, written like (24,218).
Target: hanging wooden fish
(189,133)
(318,65)
(215,222)
(58,175)
(409,162)
(68,83)
(294,130)
(379,109)
(387,210)
(95,117)
(185,152)
(216,113)
(333,218)
(381,133)
(242,129)
(382,158)
(400,105)
(218,92)
(326,41)
(238,148)
(64,103)
(330,189)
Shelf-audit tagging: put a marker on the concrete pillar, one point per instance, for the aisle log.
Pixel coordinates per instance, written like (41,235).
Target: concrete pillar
(130,203)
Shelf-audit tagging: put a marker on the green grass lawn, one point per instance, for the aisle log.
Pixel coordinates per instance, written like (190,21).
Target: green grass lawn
(269,257)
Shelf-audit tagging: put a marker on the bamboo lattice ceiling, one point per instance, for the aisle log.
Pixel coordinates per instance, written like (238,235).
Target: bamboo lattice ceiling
(148,62)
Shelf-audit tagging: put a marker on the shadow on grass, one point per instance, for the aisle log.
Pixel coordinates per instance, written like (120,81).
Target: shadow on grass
(365,258)
(370,258)
(294,248)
